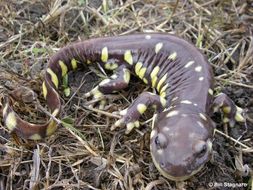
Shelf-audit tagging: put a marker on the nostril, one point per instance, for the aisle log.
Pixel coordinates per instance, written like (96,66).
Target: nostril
(203,149)
(166,166)
(162,164)
(157,141)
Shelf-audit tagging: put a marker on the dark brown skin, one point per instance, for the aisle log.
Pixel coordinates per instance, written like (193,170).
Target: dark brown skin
(182,133)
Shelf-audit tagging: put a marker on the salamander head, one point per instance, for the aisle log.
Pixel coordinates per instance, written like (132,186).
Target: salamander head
(181,144)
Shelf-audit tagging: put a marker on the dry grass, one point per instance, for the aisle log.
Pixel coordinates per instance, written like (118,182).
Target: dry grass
(90,156)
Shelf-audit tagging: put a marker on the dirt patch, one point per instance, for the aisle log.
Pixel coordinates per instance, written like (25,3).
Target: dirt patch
(90,156)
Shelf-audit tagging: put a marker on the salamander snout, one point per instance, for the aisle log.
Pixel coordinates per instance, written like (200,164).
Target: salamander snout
(181,146)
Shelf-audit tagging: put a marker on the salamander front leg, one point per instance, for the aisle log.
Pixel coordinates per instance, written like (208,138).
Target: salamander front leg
(232,113)
(118,81)
(137,108)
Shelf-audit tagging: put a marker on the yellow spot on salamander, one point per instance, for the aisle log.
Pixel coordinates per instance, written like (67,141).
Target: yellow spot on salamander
(210,91)
(239,110)
(130,126)
(163,94)
(172,113)
(189,64)
(67,92)
(105,81)
(198,68)
(55,112)
(123,112)
(145,80)
(239,117)
(225,120)
(114,76)
(201,78)
(44,90)
(154,72)
(126,75)
(164,88)
(158,47)
(52,126)
(74,64)
(173,56)
(174,99)
(118,122)
(35,137)
(104,54)
(141,108)
(163,101)
(160,151)
(161,82)
(97,94)
(142,72)
(154,80)
(128,57)
(138,68)
(202,116)
(64,68)
(186,102)
(200,124)
(111,66)
(11,121)
(226,109)
(137,124)
(53,77)
(147,37)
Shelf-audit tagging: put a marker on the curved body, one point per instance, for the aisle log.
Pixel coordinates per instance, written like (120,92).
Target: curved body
(182,132)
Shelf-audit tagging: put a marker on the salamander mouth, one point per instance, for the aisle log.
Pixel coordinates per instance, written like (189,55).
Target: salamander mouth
(174,178)
(180,178)
(191,170)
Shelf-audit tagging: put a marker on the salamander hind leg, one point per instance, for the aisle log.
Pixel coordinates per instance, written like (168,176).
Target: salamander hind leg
(231,112)
(118,81)
(131,115)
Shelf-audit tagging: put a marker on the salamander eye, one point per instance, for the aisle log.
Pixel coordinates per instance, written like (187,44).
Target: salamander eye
(157,142)
(200,148)
(161,141)
(203,149)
